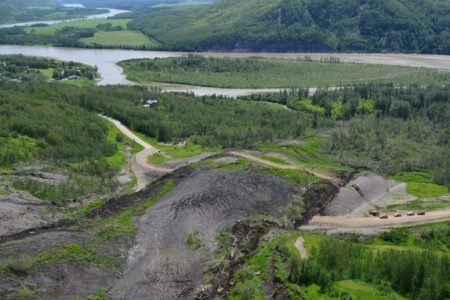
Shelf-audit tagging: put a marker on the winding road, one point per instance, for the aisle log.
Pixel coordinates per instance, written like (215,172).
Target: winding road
(139,163)
(141,167)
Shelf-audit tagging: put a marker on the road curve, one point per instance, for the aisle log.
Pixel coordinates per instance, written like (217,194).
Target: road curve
(139,162)
(248,156)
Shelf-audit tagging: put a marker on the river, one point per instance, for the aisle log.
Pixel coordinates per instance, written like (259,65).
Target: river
(111,13)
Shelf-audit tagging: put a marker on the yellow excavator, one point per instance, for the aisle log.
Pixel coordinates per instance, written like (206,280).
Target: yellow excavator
(356,187)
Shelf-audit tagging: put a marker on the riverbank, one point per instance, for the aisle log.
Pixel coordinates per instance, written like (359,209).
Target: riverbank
(106,61)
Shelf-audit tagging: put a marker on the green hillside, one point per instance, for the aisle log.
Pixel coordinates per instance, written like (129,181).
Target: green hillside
(303,25)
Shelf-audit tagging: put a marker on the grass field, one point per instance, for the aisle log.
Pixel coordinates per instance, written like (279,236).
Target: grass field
(309,153)
(157,159)
(362,291)
(115,136)
(83,24)
(421,184)
(125,38)
(271,72)
(175,152)
(82,82)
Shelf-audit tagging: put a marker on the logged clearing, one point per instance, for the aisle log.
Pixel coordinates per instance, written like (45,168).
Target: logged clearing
(125,38)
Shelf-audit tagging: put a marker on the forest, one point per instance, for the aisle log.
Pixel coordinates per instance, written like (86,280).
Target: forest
(383,127)
(417,274)
(300,25)
(388,128)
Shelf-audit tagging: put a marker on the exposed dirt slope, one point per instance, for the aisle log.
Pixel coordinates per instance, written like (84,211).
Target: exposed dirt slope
(162,265)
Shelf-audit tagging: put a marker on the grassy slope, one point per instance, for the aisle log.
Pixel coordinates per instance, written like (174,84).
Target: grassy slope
(270,73)
(125,38)
(183,25)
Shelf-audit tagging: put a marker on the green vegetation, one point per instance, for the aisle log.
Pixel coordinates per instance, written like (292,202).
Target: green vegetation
(301,25)
(122,224)
(405,263)
(52,29)
(3,193)
(194,242)
(157,159)
(311,152)
(433,237)
(86,33)
(421,184)
(275,160)
(121,39)
(185,150)
(13,11)
(27,68)
(361,291)
(115,136)
(399,129)
(420,205)
(76,253)
(271,73)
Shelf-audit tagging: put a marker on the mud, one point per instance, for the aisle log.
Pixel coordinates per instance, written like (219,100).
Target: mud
(161,265)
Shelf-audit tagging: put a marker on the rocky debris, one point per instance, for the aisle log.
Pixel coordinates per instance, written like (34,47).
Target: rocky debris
(374,192)
(245,238)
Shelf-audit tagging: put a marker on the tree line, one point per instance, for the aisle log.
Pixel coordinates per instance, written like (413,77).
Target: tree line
(415,273)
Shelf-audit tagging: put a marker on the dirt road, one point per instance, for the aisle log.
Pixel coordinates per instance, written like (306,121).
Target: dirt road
(300,245)
(262,161)
(336,222)
(139,163)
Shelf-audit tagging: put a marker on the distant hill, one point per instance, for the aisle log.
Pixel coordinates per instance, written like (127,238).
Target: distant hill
(130,4)
(304,25)
(13,11)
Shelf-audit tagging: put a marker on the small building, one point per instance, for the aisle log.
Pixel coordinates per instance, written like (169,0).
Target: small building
(151,102)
